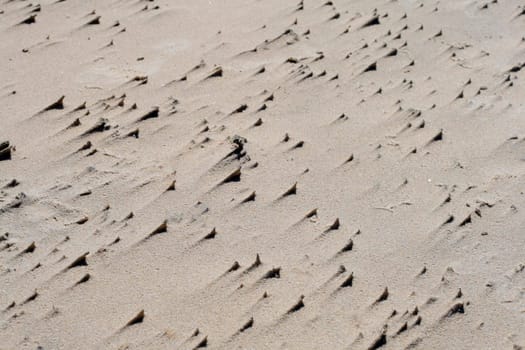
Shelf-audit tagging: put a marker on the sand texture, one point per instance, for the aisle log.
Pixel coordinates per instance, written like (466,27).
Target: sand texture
(262,174)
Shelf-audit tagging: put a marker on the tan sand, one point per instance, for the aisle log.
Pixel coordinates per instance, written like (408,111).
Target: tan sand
(369,153)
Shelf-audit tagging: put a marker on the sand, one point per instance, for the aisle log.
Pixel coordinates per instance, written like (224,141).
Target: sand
(262,174)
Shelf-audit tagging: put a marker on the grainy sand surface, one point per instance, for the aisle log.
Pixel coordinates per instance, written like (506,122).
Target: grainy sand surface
(262,174)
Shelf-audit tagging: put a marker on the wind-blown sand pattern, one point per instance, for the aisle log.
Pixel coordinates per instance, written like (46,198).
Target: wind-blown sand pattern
(262,174)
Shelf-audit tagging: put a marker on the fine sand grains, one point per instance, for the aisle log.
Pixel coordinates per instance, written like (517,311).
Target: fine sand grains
(248,174)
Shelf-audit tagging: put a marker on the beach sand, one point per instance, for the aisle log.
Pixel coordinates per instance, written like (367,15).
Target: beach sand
(262,174)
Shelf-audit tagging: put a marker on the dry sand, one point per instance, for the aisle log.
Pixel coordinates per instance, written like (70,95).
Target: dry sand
(370,152)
